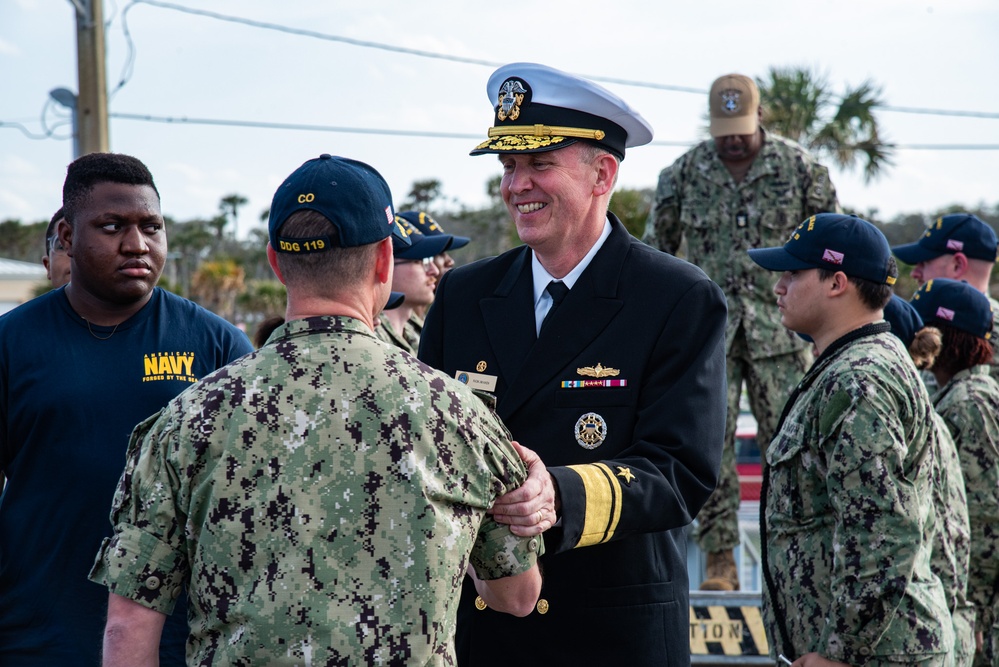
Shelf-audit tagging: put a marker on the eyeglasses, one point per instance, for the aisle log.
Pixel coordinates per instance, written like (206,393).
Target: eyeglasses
(426,262)
(55,245)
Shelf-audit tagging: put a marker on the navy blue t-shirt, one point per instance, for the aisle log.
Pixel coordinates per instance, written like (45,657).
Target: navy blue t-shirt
(68,403)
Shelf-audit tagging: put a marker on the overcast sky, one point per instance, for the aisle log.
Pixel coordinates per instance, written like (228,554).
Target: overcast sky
(936,55)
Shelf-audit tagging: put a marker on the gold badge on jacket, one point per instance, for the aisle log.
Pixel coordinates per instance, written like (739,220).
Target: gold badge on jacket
(598,371)
(591,430)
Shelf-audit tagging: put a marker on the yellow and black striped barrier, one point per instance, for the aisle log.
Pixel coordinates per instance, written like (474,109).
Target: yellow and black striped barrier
(726,628)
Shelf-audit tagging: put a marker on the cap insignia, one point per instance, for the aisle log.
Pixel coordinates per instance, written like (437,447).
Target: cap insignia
(598,371)
(945,313)
(832,256)
(730,101)
(954,244)
(511,96)
(429,223)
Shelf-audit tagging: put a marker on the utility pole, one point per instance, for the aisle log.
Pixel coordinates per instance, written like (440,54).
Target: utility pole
(92,101)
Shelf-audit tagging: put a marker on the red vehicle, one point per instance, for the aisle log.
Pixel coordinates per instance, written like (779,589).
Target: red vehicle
(747,458)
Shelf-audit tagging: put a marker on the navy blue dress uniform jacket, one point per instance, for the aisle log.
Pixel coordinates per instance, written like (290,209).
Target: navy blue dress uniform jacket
(615,586)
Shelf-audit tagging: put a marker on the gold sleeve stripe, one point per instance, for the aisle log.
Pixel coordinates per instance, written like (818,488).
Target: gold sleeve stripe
(603,503)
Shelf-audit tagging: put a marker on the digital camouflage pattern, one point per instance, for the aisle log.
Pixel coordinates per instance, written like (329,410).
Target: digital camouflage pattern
(698,200)
(994,368)
(321,498)
(969,405)
(769,382)
(408,341)
(416,322)
(952,540)
(848,512)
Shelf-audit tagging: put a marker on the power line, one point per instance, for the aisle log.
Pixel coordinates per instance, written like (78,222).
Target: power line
(947,147)
(186,120)
(939,112)
(294,126)
(25,131)
(317,35)
(490,63)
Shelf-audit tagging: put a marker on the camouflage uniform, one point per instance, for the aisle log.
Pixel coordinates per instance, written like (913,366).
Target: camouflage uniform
(408,341)
(847,512)
(952,540)
(321,498)
(699,201)
(416,322)
(994,338)
(969,405)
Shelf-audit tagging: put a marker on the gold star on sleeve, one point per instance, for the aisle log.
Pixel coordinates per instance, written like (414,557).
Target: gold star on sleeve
(625,474)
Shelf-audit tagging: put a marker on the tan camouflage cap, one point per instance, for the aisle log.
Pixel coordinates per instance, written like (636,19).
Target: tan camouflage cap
(733,102)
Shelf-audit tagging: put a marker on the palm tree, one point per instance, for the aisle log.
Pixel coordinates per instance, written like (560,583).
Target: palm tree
(229,210)
(799,105)
(216,284)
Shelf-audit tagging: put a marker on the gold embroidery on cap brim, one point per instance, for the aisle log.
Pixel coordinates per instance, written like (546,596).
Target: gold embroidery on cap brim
(519,143)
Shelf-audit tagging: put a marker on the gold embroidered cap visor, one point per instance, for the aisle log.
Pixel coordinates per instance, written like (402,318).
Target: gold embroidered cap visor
(538,108)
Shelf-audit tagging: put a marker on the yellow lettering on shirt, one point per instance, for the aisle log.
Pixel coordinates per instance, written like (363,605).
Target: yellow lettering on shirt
(169,366)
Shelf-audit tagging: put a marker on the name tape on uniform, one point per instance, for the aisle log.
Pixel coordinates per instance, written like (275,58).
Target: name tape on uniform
(477,380)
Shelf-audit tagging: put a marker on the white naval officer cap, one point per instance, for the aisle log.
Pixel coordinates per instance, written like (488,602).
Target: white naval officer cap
(539,108)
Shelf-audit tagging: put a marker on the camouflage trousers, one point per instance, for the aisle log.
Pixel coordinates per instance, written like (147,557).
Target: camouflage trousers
(964,636)
(769,382)
(989,655)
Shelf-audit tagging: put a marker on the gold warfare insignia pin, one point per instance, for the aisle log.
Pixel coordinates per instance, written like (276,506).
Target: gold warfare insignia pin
(479,367)
(511,96)
(591,430)
(598,371)
(480,604)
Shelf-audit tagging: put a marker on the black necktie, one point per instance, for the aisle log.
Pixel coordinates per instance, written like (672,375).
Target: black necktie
(557,290)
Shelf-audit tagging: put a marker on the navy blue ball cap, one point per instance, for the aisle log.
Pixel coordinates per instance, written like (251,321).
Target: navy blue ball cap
(419,246)
(955,303)
(538,108)
(835,242)
(430,227)
(350,194)
(951,234)
(904,319)
(395,300)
